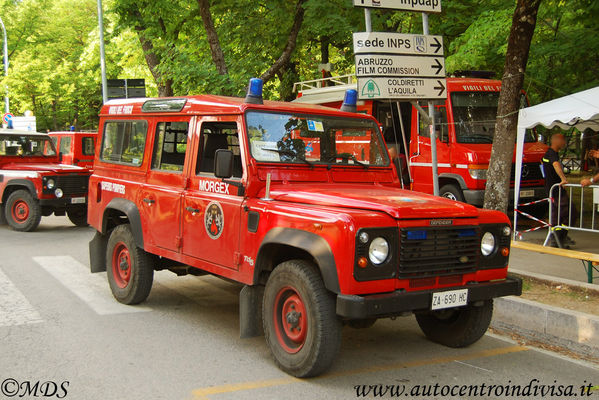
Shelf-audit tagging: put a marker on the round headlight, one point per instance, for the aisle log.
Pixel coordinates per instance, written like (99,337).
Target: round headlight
(50,184)
(363,237)
(487,244)
(507,231)
(378,251)
(58,193)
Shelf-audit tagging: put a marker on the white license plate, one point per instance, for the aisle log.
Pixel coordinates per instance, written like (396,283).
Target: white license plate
(449,299)
(78,200)
(527,193)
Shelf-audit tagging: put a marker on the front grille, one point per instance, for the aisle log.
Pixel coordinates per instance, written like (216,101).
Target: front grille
(530,172)
(426,252)
(72,184)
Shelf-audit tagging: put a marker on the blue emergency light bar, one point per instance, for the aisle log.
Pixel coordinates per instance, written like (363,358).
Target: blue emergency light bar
(350,101)
(254,94)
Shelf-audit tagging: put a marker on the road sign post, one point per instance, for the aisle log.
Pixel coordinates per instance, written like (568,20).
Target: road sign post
(399,66)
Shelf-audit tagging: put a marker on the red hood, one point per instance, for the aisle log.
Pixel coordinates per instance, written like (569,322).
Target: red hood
(42,167)
(481,153)
(395,202)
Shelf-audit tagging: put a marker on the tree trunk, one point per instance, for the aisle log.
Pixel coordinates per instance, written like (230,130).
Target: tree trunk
(217,52)
(498,175)
(291,43)
(165,85)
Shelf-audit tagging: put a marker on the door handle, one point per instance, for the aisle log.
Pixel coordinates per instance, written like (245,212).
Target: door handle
(192,210)
(149,201)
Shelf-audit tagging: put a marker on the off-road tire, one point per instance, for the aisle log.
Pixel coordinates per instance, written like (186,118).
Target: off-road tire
(78,216)
(452,192)
(322,327)
(134,287)
(22,211)
(457,328)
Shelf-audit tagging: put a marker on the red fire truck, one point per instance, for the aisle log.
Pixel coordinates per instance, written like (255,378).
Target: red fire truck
(224,186)
(75,148)
(465,125)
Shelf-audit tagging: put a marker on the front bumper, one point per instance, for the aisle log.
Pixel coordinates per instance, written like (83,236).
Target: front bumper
(62,202)
(477,197)
(398,302)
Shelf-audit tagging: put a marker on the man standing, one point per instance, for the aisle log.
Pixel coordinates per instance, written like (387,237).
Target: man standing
(560,205)
(595,178)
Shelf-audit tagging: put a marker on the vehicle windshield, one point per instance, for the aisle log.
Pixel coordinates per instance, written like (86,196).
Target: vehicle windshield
(474,115)
(315,139)
(26,146)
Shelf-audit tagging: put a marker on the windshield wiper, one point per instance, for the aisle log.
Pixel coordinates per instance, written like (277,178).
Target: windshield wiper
(480,137)
(291,154)
(348,156)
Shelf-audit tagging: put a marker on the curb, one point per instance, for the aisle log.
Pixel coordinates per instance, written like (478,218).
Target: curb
(575,331)
(555,280)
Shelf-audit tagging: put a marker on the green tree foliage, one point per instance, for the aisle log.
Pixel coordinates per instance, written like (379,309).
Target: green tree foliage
(54,61)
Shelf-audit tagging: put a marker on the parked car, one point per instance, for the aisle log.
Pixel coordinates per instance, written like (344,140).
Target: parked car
(75,148)
(319,235)
(33,183)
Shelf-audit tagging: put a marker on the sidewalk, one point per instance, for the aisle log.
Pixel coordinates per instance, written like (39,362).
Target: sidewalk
(575,331)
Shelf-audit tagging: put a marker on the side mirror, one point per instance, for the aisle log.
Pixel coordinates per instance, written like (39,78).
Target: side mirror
(223,163)
(60,156)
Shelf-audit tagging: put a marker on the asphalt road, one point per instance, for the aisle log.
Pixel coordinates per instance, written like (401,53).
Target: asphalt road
(60,324)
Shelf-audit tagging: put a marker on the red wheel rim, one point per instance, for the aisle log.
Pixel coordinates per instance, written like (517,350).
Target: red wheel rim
(121,265)
(290,320)
(20,211)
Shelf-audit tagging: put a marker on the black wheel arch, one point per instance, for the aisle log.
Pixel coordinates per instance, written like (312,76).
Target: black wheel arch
(17,184)
(114,212)
(452,179)
(283,244)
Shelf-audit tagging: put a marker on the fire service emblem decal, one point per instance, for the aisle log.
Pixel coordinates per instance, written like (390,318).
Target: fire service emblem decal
(214,220)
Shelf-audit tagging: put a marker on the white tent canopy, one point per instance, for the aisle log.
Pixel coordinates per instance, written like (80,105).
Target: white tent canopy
(579,110)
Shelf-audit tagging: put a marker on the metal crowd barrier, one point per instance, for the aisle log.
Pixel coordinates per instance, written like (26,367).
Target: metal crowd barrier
(576,212)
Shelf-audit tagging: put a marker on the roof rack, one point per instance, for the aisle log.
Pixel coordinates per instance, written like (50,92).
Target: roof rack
(474,74)
(324,82)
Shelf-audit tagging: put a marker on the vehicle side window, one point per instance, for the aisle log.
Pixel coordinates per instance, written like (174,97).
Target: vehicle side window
(215,136)
(440,124)
(124,142)
(65,145)
(87,146)
(170,144)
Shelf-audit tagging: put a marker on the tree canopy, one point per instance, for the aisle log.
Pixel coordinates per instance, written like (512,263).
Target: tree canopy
(193,47)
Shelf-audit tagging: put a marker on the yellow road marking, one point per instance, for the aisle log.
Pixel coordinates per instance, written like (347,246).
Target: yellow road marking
(203,393)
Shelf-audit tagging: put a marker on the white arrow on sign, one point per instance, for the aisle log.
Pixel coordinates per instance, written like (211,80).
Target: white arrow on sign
(433,6)
(402,88)
(392,65)
(398,43)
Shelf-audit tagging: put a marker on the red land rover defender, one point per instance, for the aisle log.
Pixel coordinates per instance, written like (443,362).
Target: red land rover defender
(320,237)
(33,184)
(75,148)
(466,124)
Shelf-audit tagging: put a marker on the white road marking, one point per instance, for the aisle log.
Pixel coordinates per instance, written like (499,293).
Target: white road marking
(472,366)
(14,307)
(93,289)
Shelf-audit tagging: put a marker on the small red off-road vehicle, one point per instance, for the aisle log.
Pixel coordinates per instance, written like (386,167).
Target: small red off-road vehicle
(33,183)
(300,204)
(75,148)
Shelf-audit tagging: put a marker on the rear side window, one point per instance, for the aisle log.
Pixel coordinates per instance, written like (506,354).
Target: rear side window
(170,145)
(87,146)
(65,145)
(124,142)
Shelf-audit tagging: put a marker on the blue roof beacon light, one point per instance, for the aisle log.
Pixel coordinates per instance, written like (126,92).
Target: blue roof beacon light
(254,95)
(350,101)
